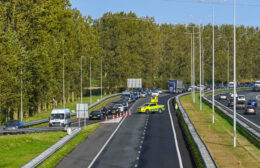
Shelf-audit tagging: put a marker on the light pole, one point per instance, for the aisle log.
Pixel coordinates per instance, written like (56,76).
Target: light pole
(235,80)
(90,89)
(200,67)
(213,63)
(193,60)
(81,74)
(101,76)
(21,92)
(63,81)
(228,63)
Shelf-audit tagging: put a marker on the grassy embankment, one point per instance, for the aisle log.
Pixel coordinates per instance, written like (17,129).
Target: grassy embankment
(54,159)
(219,137)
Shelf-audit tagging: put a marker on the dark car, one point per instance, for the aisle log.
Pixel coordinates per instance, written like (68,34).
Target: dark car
(231,103)
(222,96)
(241,104)
(252,102)
(97,114)
(116,109)
(14,124)
(250,109)
(256,89)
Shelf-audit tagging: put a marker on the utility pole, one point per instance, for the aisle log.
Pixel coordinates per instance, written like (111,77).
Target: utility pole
(200,67)
(193,88)
(90,88)
(21,92)
(213,64)
(228,64)
(235,80)
(101,77)
(81,76)
(63,82)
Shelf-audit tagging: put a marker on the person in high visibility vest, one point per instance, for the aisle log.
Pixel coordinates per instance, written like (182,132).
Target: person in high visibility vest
(176,109)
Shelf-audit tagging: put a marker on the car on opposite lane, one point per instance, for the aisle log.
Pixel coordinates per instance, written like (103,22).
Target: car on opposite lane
(14,124)
(250,109)
(97,114)
(241,98)
(222,96)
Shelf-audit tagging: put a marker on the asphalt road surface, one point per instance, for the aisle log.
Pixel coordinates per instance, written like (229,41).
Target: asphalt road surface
(248,94)
(159,149)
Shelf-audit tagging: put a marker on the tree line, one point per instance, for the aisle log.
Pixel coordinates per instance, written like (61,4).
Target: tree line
(37,37)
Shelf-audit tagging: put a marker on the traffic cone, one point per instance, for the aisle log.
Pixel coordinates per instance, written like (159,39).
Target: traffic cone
(117,115)
(130,113)
(126,113)
(113,117)
(120,115)
(106,119)
(123,114)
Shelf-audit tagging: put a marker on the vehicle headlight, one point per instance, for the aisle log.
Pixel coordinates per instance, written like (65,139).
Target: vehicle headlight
(98,115)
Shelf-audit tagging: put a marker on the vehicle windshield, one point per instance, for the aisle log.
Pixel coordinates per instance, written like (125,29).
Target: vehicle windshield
(241,97)
(57,116)
(146,105)
(117,105)
(258,83)
(240,102)
(95,112)
(12,123)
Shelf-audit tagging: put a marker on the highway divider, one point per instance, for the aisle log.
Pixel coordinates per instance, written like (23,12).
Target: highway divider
(250,130)
(72,114)
(199,150)
(48,152)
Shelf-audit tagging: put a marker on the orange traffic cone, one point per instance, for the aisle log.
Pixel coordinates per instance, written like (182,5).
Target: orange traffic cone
(126,113)
(123,114)
(113,117)
(106,119)
(117,115)
(130,113)
(120,115)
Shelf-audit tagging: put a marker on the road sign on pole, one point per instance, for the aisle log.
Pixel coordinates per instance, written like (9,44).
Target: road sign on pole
(134,83)
(82,112)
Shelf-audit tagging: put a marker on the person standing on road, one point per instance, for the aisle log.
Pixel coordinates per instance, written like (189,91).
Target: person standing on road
(176,109)
(105,112)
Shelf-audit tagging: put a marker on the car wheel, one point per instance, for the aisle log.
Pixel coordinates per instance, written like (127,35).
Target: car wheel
(160,110)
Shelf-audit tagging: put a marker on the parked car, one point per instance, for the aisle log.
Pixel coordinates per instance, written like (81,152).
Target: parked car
(252,102)
(250,109)
(97,114)
(14,124)
(222,96)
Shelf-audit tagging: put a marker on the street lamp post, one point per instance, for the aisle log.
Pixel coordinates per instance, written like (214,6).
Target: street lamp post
(21,93)
(235,81)
(101,76)
(228,63)
(200,67)
(90,89)
(63,82)
(193,60)
(81,74)
(213,64)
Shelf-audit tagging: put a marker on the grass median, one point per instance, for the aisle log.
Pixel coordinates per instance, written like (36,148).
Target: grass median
(54,159)
(16,150)
(219,137)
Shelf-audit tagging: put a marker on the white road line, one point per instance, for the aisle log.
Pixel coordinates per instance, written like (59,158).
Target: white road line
(109,139)
(258,97)
(174,134)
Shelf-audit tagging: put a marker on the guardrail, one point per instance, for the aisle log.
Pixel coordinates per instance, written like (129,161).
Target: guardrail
(249,126)
(30,130)
(72,114)
(48,152)
(202,148)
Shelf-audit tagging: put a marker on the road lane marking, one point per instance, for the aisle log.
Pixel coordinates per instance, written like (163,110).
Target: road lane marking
(109,139)
(258,97)
(174,134)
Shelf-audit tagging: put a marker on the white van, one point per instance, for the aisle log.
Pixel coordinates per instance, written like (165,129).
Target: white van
(231,85)
(60,117)
(257,84)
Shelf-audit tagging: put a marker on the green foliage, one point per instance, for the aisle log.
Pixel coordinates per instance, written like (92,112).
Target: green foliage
(36,35)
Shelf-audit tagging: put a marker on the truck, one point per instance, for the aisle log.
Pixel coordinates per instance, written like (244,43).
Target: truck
(175,86)
(150,107)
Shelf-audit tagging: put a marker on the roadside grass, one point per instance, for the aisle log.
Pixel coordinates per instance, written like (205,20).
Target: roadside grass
(71,106)
(219,137)
(16,150)
(54,159)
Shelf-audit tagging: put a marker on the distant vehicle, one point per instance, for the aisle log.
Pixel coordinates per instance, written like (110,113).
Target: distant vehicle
(160,90)
(60,117)
(240,104)
(257,84)
(231,85)
(155,93)
(13,124)
(222,96)
(175,86)
(151,107)
(250,109)
(252,102)
(116,109)
(97,114)
(230,102)
(232,94)
(241,98)
(190,89)
(143,94)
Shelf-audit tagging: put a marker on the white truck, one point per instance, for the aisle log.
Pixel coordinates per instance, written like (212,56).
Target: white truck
(60,117)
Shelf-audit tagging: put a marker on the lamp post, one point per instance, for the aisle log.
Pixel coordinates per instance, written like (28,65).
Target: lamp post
(235,80)
(90,89)
(81,74)
(101,76)
(213,63)
(63,81)
(21,92)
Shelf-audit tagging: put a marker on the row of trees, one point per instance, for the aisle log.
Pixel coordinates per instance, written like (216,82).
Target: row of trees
(38,36)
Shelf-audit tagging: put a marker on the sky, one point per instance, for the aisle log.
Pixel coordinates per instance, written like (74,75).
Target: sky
(176,11)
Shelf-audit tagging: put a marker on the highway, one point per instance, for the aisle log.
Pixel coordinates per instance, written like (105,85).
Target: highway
(248,94)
